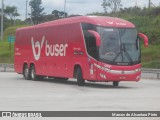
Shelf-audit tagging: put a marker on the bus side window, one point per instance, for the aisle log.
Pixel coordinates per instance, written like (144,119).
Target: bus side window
(90,40)
(90,44)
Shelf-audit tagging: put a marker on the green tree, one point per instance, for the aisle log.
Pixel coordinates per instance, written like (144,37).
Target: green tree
(104,5)
(12,13)
(59,14)
(114,5)
(36,11)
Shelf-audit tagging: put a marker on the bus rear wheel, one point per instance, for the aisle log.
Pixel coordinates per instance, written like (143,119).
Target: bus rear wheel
(115,83)
(80,80)
(26,73)
(33,73)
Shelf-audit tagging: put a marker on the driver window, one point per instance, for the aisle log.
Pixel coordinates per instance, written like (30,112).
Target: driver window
(90,44)
(90,40)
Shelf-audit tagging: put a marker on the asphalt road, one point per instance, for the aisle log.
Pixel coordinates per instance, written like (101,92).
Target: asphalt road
(17,94)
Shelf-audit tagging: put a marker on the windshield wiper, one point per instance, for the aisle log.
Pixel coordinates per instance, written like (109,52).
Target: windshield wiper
(123,49)
(120,52)
(127,54)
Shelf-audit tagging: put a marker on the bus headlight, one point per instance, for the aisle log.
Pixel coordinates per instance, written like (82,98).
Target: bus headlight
(138,70)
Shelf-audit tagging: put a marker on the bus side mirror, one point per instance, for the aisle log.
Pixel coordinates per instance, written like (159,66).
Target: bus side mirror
(145,39)
(97,36)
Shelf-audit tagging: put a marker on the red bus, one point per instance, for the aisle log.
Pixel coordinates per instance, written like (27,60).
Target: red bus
(92,48)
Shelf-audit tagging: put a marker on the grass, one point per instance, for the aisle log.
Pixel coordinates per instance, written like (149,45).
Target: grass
(6,48)
(6,52)
(151,56)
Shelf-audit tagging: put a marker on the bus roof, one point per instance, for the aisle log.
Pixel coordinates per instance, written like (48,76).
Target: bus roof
(97,20)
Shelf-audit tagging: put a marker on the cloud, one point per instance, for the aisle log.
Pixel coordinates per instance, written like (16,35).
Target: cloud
(51,5)
(73,6)
(77,1)
(84,8)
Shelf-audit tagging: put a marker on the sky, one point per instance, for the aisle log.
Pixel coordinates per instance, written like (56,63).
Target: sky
(81,7)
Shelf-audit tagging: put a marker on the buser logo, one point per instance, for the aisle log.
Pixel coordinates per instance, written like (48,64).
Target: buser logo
(50,50)
(37,46)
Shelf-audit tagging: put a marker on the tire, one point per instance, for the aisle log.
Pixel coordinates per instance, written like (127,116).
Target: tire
(80,80)
(26,72)
(115,84)
(33,73)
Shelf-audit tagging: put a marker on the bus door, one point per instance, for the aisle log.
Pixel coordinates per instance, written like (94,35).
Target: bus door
(92,52)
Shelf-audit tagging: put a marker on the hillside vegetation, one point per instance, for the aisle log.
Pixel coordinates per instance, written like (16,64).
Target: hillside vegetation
(149,26)
(6,48)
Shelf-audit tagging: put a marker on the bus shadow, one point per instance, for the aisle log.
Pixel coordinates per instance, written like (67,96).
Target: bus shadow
(87,84)
(102,85)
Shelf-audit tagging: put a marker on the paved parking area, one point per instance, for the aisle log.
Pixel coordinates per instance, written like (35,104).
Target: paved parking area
(56,95)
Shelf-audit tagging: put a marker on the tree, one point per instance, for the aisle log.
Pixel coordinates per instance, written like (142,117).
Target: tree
(104,6)
(114,5)
(12,13)
(59,14)
(36,11)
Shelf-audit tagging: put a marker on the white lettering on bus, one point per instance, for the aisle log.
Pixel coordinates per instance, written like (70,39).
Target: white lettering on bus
(56,50)
(50,50)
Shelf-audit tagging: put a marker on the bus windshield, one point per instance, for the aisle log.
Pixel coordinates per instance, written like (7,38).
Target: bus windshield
(119,46)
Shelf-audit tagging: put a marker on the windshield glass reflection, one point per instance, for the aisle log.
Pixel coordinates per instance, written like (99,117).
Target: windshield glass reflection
(119,46)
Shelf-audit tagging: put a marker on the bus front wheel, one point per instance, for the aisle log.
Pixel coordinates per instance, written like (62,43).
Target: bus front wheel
(80,80)
(115,83)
